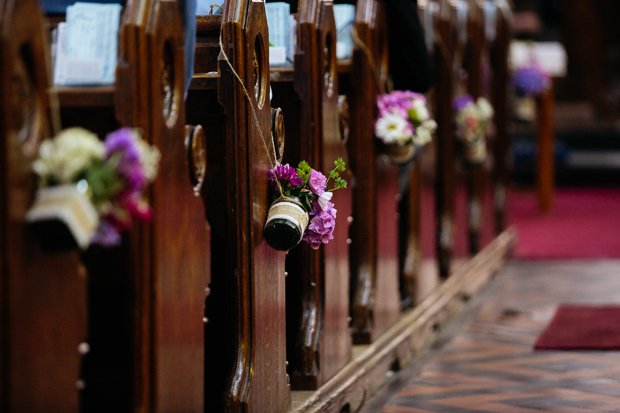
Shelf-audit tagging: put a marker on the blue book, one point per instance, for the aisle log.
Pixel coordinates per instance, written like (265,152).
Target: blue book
(278,21)
(60,6)
(344,14)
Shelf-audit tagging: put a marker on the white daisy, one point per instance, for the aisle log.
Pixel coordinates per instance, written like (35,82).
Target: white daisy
(391,128)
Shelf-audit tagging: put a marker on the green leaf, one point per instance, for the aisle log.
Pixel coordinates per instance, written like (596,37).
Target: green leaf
(340,165)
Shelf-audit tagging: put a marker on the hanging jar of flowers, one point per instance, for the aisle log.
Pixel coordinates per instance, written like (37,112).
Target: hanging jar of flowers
(301,209)
(530,81)
(90,191)
(403,125)
(472,119)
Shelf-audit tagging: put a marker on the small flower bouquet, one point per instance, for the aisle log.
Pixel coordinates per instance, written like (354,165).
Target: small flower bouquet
(90,191)
(531,80)
(302,207)
(472,119)
(404,124)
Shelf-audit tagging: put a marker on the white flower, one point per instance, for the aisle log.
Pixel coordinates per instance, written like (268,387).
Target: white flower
(422,136)
(324,198)
(419,112)
(431,125)
(67,155)
(485,108)
(391,128)
(149,158)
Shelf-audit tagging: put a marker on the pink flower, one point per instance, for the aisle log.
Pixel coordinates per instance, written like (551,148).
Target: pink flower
(399,100)
(317,182)
(471,123)
(321,227)
(285,173)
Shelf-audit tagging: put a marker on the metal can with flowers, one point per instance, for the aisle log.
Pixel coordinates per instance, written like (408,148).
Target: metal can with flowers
(302,209)
(403,125)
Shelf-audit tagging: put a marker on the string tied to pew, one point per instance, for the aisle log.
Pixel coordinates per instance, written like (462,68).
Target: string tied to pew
(272,161)
(371,60)
(215,5)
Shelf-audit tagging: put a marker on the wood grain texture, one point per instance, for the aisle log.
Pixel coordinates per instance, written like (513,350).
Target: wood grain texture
(445,163)
(255,271)
(499,90)
(43,295)
(545,137)
(476,178)
(179,238)
(157,349)
(318,338)
(410,254)
(374,250)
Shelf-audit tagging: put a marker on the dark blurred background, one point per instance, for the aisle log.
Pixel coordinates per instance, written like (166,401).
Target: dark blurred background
(588,98)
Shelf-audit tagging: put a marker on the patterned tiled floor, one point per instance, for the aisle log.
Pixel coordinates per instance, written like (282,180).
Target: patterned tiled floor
(485,363)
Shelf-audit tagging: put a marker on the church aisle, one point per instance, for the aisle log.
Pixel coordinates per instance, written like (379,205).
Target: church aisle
(485,362)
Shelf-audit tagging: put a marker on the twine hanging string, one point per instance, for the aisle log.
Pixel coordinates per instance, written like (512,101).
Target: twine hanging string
(371,60)
(273,162)
(215,5)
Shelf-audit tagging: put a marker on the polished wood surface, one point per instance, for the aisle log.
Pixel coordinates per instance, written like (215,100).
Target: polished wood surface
(43,295)
(159,275)
(179,236)
(254,271)
(499,90)
(374,230)
(318,338)
(194,312)
(410,253)
(445,140)
(476,178)
(545,137)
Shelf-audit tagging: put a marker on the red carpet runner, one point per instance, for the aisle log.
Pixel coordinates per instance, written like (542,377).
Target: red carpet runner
(584,224)
(582,328)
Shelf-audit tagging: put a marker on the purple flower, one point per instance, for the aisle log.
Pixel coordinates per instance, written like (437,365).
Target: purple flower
(285,173)
(461,101)
(530,79)
(399,100)
(125,142)
(107,235)
(317,182)
(321,227)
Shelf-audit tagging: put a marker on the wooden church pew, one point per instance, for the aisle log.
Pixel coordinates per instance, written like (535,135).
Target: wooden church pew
(42,295)
(472,64)
(141,293)
(500,79)
(480,72)
(417,272)
(318,336)
(445,141)
(375,300)
(245,336)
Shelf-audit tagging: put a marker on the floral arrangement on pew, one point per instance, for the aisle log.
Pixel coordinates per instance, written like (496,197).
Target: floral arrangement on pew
(472,119)
(530,81)
(404,124)
(302,207)
(90,191)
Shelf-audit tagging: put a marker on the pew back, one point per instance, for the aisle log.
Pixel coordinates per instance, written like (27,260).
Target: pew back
(43,295)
